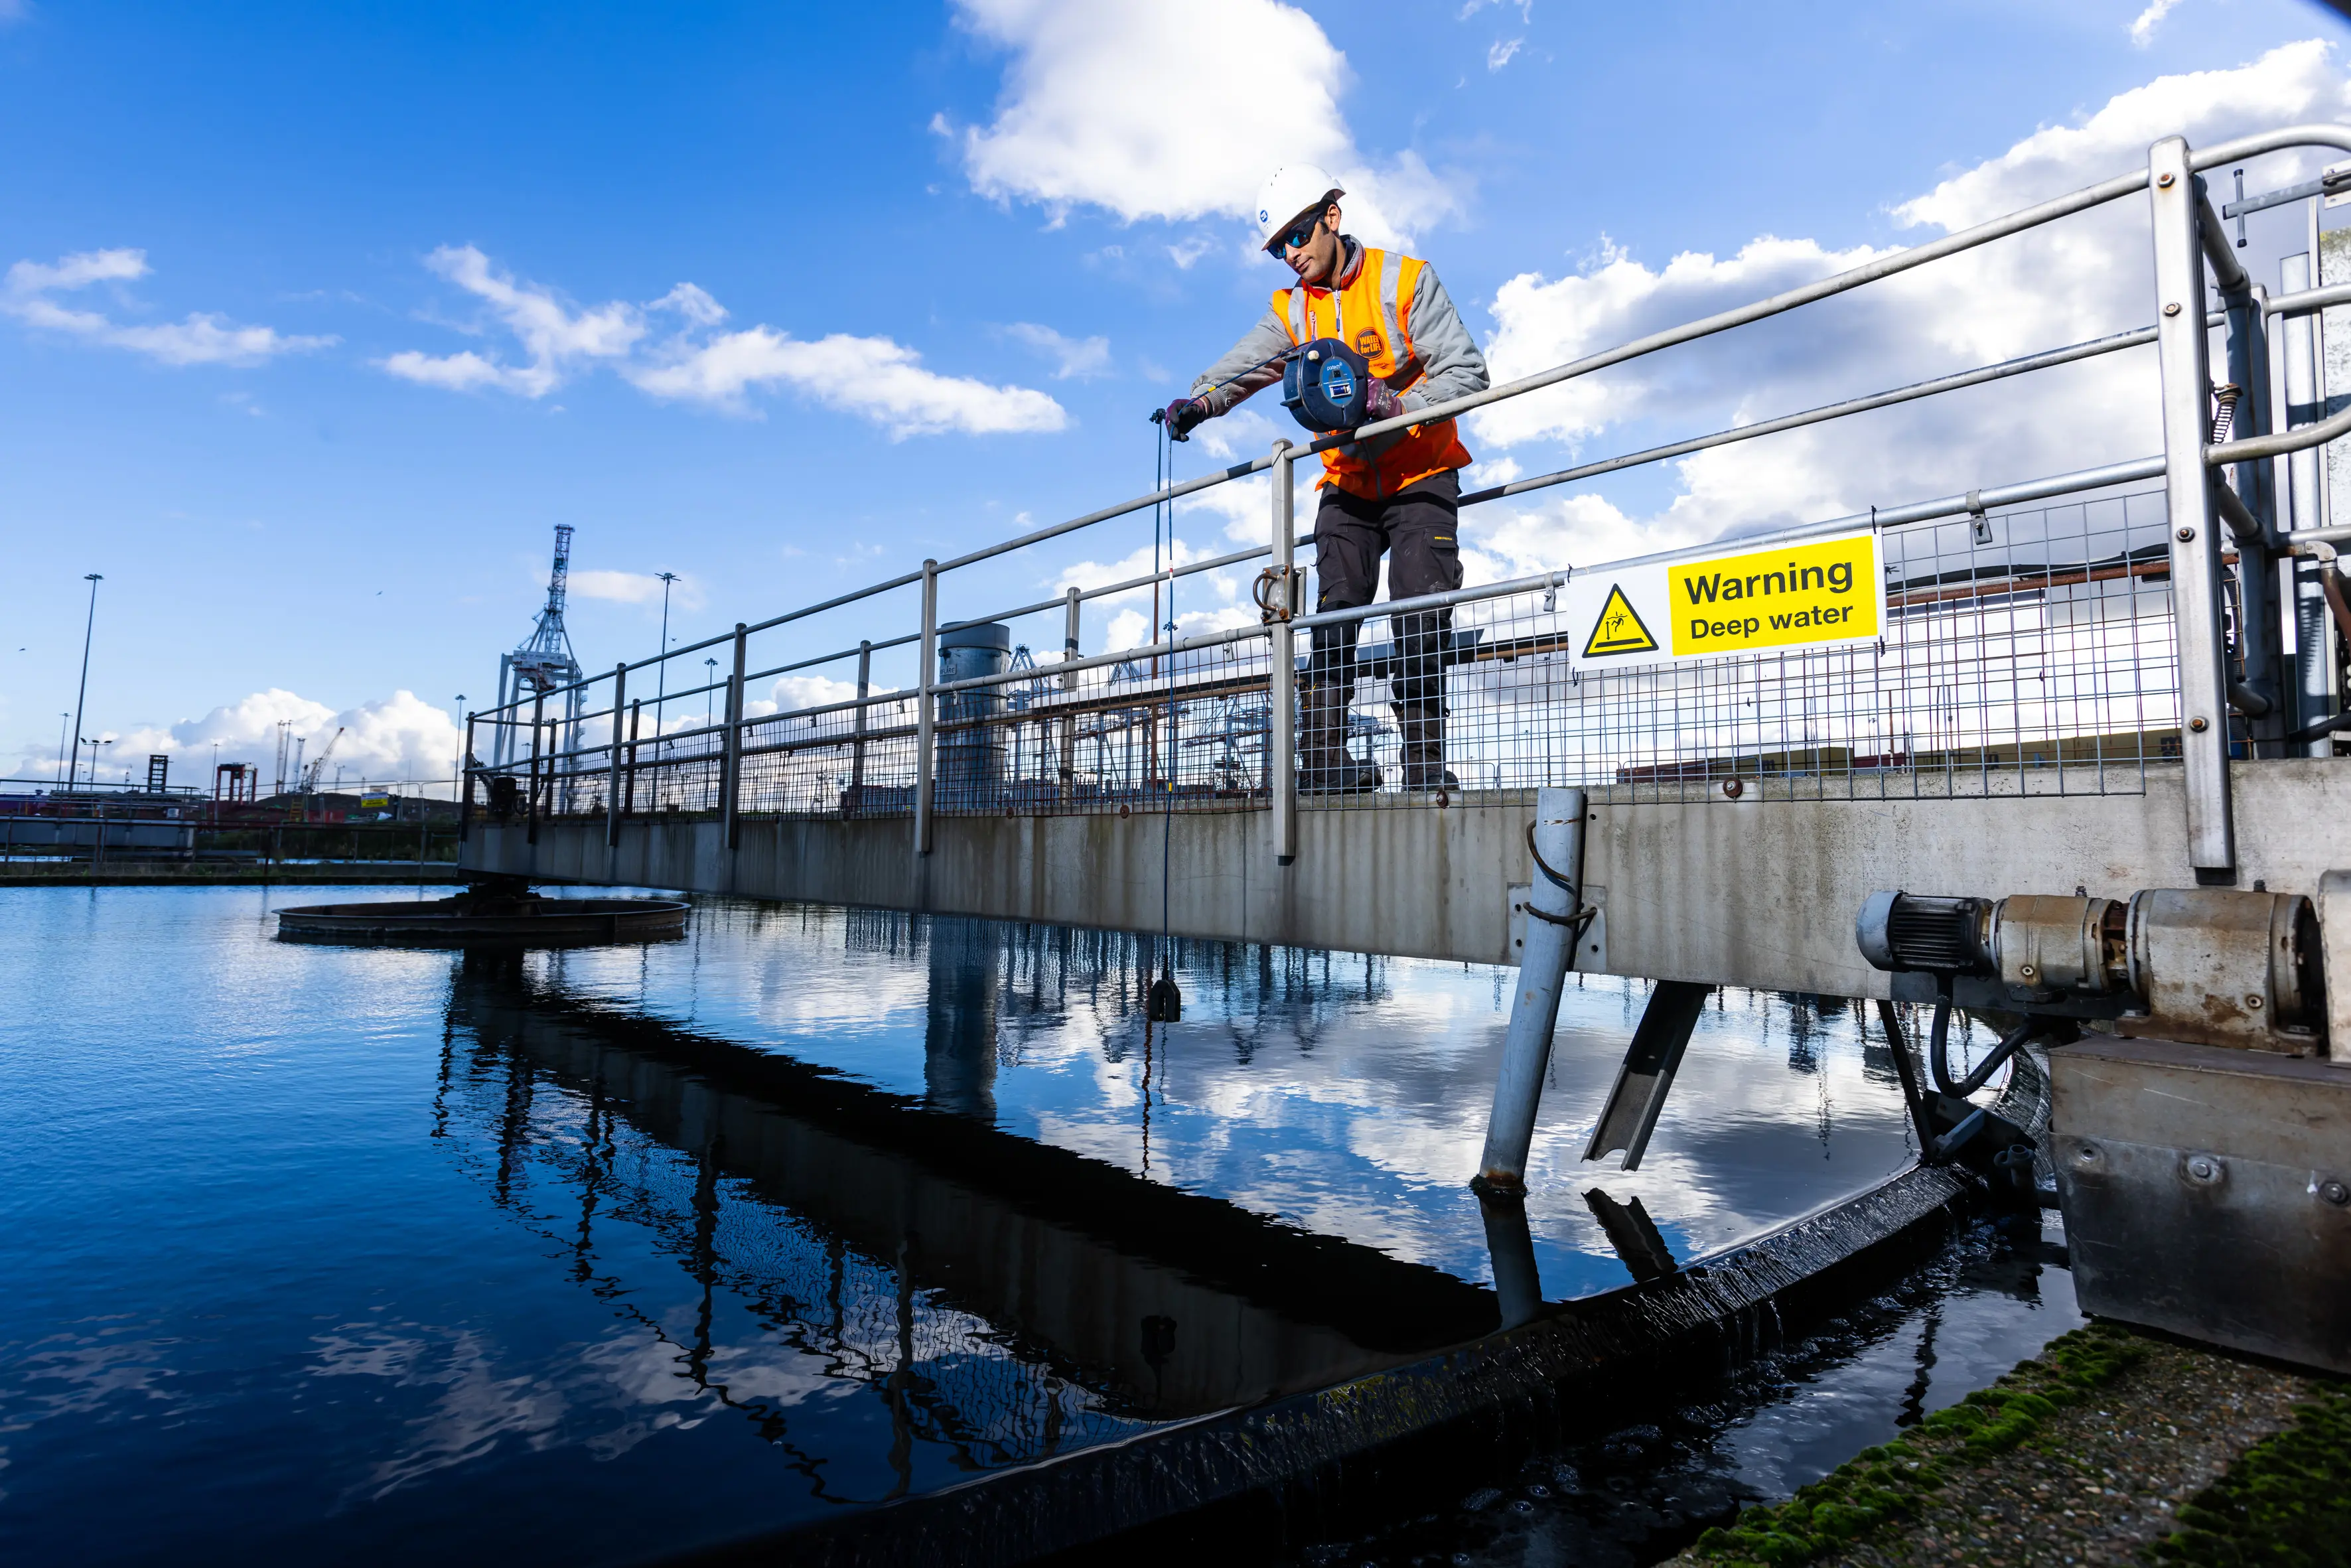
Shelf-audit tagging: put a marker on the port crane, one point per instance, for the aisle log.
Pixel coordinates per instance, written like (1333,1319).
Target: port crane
(319,764)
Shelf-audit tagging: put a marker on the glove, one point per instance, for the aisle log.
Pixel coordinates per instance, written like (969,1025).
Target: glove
(1183,416)
(1380,402)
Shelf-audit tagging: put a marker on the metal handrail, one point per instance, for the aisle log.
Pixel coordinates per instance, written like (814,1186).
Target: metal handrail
(2179,200)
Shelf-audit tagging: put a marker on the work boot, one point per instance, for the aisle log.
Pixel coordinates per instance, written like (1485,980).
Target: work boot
(1325,764)
(1422,731)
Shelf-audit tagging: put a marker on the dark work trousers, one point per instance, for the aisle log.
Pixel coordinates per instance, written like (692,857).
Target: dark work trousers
(1416,527)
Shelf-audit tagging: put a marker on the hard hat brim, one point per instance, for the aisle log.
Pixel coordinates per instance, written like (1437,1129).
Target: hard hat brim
(1273,245)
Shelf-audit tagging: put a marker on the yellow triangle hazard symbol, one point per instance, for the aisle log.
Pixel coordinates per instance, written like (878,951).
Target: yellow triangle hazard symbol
(1618,630)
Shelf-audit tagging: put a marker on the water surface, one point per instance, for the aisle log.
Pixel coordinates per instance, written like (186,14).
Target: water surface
(362,1253)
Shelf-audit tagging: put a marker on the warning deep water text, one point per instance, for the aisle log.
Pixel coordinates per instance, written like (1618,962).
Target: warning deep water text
(1811,593)
(1820,593)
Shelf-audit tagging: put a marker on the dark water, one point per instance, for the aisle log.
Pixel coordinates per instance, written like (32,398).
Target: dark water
(322,1252)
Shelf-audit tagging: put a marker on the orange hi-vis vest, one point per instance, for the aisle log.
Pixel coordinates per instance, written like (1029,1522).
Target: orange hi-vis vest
(1371,314)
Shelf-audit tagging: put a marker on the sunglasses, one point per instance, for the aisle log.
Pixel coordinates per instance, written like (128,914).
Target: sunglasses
(1296,237)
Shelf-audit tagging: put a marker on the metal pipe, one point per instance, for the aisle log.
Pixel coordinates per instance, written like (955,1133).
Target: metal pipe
(2226,270)
(2195,547)
(2308,301)
(857,751)
(1071,627)
(1281,667)
(629,779)
(612,794)
(2000,371)
(1778,303)
(466,797)
(1554,905)
(530,807)
(731,774)
(925,718)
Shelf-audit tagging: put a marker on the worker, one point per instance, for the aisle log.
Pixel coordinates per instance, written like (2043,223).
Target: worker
(1398,493)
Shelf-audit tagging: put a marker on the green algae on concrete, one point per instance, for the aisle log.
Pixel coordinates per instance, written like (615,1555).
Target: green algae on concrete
(1893,1480)
(2288,1499)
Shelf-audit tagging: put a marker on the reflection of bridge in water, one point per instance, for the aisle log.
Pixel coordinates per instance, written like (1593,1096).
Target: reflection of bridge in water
(1005,1300)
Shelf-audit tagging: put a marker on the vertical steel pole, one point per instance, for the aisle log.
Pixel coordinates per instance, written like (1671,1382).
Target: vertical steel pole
(636,716)
(466,791)
(1535,1008)
(731,767)
(1281,667)
(530,812)
(850,802)
(922,717)
(612,790)
(2261,643)
(2182,351)
(1072,626)
(2314,638)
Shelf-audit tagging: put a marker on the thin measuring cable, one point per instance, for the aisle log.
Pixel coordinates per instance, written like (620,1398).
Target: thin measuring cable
(1167,812)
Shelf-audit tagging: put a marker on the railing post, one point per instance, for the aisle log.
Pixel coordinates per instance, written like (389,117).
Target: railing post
(613,789)
(1281,667)
(636,719)
(1072,626)
(857,751)
(2304,489)
(2260,641)
(464,786)
(2182,353)
(530,812)
(927,676)
(731,767)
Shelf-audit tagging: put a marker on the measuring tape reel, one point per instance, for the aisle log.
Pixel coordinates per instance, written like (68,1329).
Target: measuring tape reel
(1324,384)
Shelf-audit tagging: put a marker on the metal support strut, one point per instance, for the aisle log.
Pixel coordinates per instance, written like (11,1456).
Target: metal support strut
(1648,1075)
(1556,900)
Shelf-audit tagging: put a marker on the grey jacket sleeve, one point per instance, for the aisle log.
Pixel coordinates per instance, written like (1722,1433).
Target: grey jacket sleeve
(1450,364)
(1270,336)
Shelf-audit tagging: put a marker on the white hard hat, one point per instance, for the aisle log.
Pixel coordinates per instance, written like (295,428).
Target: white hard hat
(1294,189)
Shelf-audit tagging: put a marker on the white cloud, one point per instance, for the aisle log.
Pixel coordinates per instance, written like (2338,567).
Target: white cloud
(874,378)
(1175,113)
(393,739)
(1084,358)
(556,337)
(2143,26)
(635,588)
(1501,53)
(202,338)
(2082,279)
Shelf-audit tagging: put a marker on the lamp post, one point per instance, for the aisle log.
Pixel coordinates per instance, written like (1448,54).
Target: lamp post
(712,665)
(73,767)
(661,665)
(457,778)
(63,720)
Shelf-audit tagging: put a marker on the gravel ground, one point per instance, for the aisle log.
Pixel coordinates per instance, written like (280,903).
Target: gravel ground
(2085,1460)
(2099,1481)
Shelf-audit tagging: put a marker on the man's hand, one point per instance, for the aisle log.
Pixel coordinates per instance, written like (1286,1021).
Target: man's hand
(1183,416)
(1380,402)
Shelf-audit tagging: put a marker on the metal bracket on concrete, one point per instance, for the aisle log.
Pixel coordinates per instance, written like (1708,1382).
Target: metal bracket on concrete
(2335,939)
(1648,1075)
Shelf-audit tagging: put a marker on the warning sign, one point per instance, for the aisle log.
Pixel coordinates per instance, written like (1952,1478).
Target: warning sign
(1806,594)
(1618,629)
(1820,592)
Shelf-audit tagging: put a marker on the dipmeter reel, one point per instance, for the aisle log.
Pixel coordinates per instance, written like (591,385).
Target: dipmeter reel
(1324,384)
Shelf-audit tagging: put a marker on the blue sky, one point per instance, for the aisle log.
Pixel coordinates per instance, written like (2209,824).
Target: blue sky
(960,249)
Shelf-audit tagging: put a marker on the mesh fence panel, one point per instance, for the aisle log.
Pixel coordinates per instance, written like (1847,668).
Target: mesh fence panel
(2027,653)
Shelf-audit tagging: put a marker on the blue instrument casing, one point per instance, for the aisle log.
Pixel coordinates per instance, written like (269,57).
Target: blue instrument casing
(1324,384)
